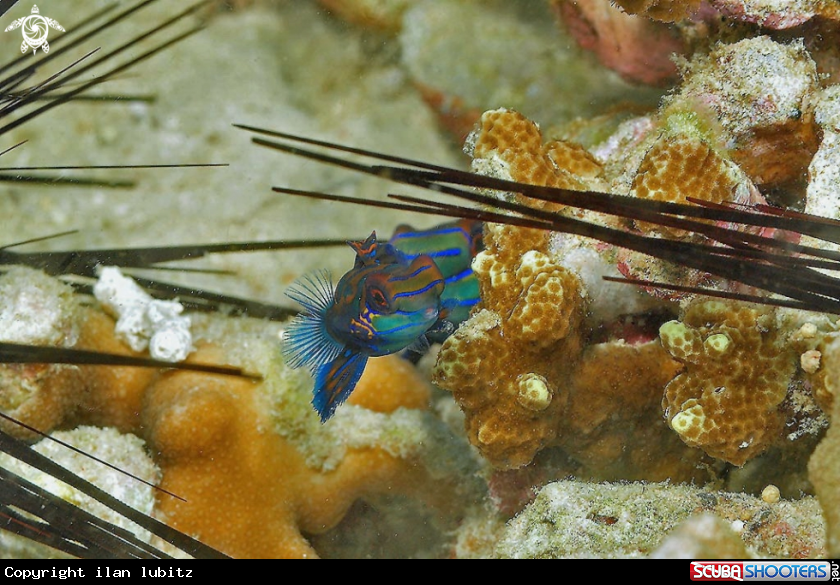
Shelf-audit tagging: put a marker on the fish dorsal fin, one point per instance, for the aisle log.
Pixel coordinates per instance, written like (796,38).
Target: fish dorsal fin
(336,380)
(306,340)
(365,250)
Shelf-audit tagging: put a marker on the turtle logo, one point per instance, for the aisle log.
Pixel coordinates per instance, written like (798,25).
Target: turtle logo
(35,31)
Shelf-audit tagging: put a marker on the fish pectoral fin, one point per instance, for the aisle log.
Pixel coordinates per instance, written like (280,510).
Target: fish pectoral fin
(419,346)
(442,327)
(438,332)
(336,380)
(447,306)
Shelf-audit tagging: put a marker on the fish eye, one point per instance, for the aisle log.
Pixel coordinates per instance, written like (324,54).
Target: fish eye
(376,299)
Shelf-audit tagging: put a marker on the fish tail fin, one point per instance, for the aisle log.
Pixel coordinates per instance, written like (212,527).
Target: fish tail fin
(336,380)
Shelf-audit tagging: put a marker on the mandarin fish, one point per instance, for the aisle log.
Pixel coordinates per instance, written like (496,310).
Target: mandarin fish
(417,286)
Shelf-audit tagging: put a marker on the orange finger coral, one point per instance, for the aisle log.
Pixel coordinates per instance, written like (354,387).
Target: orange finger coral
(214,444)
(45,312)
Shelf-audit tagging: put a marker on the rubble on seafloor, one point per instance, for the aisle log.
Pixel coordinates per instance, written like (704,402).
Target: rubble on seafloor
(672,413)
(570,519)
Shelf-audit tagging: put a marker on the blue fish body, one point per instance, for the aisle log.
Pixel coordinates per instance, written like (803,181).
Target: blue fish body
(417,284)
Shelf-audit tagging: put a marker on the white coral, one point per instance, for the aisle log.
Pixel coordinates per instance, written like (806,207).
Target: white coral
(143,321)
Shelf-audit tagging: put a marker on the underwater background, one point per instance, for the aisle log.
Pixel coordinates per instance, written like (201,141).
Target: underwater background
(568,417)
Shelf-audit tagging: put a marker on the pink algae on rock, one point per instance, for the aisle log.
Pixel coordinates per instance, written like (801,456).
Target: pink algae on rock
(637,48)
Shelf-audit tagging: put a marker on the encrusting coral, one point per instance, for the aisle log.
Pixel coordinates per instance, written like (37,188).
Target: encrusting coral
(216,438)
(738,369)
(679,165)
(771,14)
(529,323)
(616,392)
(759,92)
